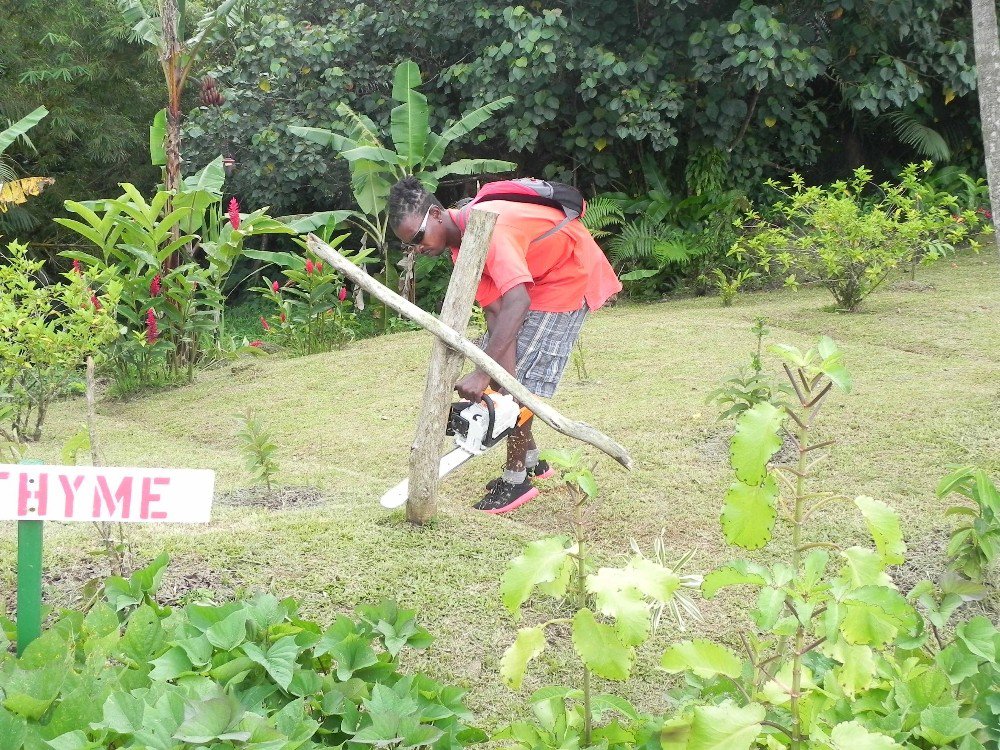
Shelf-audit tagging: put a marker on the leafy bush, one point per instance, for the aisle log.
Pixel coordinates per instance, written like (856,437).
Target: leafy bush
(975,543)
(844,239)
(47,331)
(258,449)
(245,674)
(751,386)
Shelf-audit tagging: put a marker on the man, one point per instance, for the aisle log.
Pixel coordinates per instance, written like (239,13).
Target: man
(535,294)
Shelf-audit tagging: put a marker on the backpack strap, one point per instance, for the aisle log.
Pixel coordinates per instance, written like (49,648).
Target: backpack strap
(556,228)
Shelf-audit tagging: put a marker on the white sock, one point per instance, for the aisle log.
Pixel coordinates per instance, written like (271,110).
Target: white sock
(514,477)
(531,459)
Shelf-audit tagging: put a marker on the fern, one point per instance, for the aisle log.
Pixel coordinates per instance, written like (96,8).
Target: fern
(602,212)
(648,240)
(926,141)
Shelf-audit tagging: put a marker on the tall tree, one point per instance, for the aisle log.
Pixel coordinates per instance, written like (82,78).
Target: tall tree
(986,38)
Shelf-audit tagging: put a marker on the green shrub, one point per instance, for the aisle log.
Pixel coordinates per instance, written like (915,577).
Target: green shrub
(246,674)
(975,543)
(850,235)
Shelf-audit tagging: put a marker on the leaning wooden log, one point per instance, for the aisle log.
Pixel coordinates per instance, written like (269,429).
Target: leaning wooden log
(579,430)
(444,369)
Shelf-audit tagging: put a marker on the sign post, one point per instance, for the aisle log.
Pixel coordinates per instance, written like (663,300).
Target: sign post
(32,493)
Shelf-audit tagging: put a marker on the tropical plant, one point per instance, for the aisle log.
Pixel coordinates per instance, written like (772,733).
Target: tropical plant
(416,150)
(613,612)
(15,191)
(751,386)
(258,449)
(847,242)
(254,673)
(729,288)
(47,331)
(975,543)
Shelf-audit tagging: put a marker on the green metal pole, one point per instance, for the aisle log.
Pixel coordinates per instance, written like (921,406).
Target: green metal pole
(29,580)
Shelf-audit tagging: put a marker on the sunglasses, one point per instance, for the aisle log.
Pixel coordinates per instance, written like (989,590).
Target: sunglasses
(418,238)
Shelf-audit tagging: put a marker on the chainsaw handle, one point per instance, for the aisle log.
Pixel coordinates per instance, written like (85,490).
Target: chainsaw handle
(522,417)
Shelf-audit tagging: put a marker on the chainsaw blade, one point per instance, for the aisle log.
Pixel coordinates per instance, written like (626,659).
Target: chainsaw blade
(396,497)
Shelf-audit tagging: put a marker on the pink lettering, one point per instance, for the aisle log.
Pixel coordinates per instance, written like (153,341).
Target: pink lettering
(69,492)
(33,495)
(102,494)
(148,497)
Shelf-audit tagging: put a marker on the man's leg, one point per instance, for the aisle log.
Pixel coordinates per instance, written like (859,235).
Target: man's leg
(520,442)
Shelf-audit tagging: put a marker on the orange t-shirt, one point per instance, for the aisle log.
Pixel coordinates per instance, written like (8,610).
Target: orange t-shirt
(562,271)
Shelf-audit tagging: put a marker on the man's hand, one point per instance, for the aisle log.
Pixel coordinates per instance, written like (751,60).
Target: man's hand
(471,387)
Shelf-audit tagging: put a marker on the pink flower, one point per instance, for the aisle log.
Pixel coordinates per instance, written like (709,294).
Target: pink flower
(76,267)
(258,343)
(154,286)
(95,302)
(309,266)
(281,317)
(234,213)
(264,324)
(319,266)
(342,293)
(152,332)
(275,286)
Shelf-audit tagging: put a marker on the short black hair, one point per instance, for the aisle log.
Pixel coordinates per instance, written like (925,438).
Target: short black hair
(408,197)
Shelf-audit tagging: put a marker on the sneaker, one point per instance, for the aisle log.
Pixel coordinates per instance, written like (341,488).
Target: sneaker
(541,470)
(504,496)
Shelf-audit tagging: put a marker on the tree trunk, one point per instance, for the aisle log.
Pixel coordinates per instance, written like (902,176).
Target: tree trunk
(444,369)
(170,61)
(987,44)
(579,430)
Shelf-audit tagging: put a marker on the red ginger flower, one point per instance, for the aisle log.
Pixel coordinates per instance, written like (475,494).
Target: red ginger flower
(76,267)
(154,286)
(234,213)
(258,343)
(309,266)
(264,324)
(95,302)
(152,332)
(281,317)
(319,266)
(275,286)
(342,293)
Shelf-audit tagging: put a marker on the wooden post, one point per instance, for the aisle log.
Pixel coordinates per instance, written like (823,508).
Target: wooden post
(574,429)
(444,369)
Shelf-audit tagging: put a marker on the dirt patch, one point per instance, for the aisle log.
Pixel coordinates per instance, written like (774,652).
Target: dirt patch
(277,498)
(715,447)
(913,286)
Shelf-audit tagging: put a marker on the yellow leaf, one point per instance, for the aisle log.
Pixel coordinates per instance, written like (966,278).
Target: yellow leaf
(600,144)
(835,15)
(770,121)
(948,96)
(18,191)
(265,85)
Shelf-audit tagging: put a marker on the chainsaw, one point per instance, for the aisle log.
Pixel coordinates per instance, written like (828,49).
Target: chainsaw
(477,427)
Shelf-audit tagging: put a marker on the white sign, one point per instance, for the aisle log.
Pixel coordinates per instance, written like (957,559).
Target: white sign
(96,493)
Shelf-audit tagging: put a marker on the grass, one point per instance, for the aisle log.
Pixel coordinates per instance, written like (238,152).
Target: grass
(926,393)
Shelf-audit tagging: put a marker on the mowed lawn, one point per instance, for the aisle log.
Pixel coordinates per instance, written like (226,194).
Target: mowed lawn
(927,394)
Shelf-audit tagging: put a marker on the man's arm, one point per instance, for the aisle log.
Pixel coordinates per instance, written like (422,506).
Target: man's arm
(504,319)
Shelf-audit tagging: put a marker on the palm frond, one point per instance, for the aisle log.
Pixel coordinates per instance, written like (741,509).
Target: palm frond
(926,141)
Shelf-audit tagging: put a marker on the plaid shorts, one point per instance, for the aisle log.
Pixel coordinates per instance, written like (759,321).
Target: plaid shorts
(544,345)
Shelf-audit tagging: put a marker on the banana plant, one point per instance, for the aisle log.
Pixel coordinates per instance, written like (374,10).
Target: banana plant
(14,191)
(411,149)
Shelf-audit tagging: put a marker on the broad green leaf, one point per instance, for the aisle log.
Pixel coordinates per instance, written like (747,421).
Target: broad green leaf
(75,740)
(321,136)
(471,167)
(770,606)
(725,727)
(30,692)
(941,725)
(863,567)
(278,661)
(530,642)
(541,562)
(212,719)
(957,662)
(406,77)
(171,665)
(749,512)
(979,636)
(704,658)
(630,611)
(600,648)
(857,669)
(736,573)
(883,524)
(302,223)
(874,616)
(852,735)
(21,127)
(12,729)
(123,713)
(409,121)
(757,438)
(157,139)
(468,122)
(230,632)
(352,653)
(370,186)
